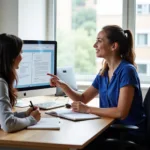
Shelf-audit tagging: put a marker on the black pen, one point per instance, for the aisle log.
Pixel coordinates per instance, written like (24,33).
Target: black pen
(32,105)
(68,106)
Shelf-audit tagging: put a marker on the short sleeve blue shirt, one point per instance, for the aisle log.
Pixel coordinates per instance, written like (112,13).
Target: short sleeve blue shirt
(125,74)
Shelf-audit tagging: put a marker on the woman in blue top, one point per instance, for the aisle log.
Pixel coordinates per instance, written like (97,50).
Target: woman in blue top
(117,83)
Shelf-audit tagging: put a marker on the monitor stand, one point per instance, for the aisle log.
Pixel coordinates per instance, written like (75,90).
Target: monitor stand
(24,96)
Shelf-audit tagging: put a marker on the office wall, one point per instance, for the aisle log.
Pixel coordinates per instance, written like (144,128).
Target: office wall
(9,16)
(32,19)
(25,18)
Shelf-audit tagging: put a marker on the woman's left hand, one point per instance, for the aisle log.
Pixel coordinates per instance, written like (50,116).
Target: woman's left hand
(78,106)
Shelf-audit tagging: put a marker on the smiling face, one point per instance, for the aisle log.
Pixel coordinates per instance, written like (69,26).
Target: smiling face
(102,45)
(18,60)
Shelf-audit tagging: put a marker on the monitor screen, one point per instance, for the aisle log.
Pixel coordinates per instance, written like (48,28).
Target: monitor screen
(39,58)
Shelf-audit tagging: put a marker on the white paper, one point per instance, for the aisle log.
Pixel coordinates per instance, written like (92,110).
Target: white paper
(69,114)
(47,123)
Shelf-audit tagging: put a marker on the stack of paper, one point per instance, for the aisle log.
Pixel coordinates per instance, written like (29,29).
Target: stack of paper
(46,123)
(69,114)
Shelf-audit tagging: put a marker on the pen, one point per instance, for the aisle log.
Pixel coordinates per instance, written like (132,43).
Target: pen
(68,106)
(32,105)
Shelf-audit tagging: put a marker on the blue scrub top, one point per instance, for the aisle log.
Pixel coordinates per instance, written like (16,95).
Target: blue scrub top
(125,74)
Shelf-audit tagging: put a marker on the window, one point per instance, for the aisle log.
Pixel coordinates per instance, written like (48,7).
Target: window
(139,6)
(142,39)
(139,9)
(78,23)
(142,32)
(95,1)
(143,8)
(142,68)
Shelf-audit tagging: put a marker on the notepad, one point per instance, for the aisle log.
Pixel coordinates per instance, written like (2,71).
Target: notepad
(46,123)
(71,115)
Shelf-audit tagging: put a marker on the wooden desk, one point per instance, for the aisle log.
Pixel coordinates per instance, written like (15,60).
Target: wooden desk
(72,135)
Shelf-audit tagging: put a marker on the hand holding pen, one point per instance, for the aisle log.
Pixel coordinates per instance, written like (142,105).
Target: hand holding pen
(33,111)
(33,107)
(68,106)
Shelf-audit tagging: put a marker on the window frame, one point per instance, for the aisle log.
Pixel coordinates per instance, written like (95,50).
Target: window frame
(128,16)
(146,73)
(128,22)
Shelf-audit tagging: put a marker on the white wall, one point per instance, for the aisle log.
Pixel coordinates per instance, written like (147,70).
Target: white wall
(32,19)
(25,18)
(9,16)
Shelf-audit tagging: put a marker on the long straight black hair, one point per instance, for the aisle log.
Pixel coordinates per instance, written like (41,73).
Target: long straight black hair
(10,47)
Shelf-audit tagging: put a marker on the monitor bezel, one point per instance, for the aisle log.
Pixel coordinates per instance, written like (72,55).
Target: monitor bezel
(55,63)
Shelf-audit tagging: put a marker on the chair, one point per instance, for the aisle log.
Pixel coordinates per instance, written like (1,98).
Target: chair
(123,142)
(147,112)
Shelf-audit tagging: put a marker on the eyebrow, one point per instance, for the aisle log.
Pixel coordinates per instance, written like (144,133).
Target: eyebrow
(99,39)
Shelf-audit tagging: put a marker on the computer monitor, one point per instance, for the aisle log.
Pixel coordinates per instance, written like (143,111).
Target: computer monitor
(68,76)
(39,58)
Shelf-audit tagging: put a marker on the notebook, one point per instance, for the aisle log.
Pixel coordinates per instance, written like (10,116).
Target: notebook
(71,115)
(46,123)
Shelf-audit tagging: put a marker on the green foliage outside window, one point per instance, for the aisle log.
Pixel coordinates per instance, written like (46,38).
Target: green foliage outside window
(76,49)
(75,46)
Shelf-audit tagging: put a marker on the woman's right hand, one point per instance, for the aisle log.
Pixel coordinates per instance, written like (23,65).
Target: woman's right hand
(36,114)
(55,81)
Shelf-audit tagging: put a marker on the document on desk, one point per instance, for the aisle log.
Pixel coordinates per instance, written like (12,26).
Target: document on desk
(46,123)
(71,115)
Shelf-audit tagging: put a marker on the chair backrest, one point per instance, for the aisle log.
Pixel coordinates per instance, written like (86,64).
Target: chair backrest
(147,112)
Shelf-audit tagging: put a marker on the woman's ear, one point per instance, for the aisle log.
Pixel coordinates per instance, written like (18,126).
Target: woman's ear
(115,46)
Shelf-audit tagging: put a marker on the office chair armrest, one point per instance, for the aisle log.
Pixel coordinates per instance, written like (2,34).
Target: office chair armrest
(124,127)
(122,140)
(121,144)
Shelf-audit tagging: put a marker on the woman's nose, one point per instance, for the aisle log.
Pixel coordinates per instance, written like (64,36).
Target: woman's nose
(94,45)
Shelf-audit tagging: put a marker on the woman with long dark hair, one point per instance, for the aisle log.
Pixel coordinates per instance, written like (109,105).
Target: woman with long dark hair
(10,57)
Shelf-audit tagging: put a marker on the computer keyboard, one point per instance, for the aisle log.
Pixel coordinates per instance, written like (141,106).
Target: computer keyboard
(50,105)
(22,103)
